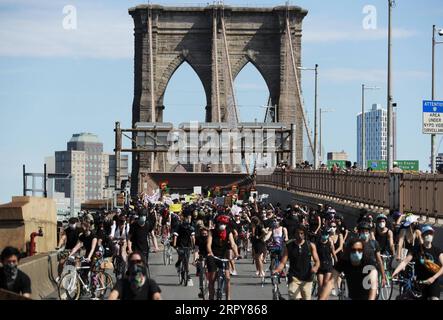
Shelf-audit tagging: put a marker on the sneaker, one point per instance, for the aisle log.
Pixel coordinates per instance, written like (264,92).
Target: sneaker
(234,273)
(334,292)
(190,283)
(257,273)
(57,279)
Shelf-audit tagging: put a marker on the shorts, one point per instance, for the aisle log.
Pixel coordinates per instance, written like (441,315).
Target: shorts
(212,264)
(259,247)
(325,269)
(299,289)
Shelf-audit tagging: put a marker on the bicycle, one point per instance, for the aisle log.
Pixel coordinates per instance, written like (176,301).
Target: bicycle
(276,295)
(385,292)
(183,272)
(203,281)
(343,288)
(409,286)
(118,261)
(221,278)
(75,283)
(314,291)
(167,251)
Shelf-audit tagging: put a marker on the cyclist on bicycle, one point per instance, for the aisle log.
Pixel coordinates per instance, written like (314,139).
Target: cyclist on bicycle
(359,271)
(277,237)
(119,236)
(165,223)
(409,236)
(428,264)
(68,239)
(384,236)
(184,241)
(220,240)
(201,243)
(372,247)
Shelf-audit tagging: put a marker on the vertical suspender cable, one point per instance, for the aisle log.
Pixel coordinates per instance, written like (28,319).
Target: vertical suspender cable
(151,75)
(217,85)
(288,32)
(236,117)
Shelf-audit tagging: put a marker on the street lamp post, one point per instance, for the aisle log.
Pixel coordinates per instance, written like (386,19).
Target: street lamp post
(320,143)
(391,4)
(433,136)
(315,114)
(363,124)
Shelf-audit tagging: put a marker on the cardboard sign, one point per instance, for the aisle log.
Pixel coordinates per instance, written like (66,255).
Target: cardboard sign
(197,190)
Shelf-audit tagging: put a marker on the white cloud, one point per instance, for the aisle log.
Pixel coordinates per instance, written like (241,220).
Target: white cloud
(370,75)
(354,34)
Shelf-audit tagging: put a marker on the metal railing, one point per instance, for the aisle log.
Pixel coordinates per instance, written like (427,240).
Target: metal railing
(421,194)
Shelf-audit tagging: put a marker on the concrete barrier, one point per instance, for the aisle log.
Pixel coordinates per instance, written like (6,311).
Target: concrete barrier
(41,269)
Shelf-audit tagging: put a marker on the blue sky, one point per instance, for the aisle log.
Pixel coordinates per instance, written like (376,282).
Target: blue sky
(56,82)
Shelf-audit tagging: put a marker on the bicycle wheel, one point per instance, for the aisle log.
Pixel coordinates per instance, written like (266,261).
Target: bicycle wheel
(169,255)
(314,292)
(343,292)
(385,292)
(165,254)
(69,287)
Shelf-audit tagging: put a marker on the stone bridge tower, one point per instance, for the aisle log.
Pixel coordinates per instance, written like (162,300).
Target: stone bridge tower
(217,42)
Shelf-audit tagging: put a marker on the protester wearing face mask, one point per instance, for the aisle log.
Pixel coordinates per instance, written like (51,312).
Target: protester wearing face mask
(68,239)
(136,285)
(372,248)
(428,264)
(219,241)
(11,278)
(326,254)
(409,236)
(138,236)
(360,273)
(384,236)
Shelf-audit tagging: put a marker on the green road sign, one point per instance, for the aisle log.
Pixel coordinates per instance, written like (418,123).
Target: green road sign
(340,163)
(405,165)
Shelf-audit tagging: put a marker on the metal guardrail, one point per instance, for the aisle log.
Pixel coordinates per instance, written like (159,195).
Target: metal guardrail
(421,194)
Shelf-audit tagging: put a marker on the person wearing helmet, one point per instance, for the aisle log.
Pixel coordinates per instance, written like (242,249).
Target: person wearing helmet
(220,240)
(408,237)
(428,264)
(372,248)
(384,236)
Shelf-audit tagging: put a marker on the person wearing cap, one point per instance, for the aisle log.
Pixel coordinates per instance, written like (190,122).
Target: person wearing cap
(384,236)
(409,236)
(428,264)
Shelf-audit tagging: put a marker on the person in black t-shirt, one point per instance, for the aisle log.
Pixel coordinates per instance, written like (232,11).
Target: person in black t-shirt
(138,236)
(68,239)
(184,242)
(360,272)
(88,240)
(428,264)
(11,278)
(137,285)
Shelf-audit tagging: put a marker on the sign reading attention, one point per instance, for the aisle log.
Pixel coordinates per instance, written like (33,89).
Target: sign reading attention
(433,117)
